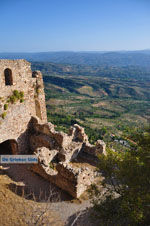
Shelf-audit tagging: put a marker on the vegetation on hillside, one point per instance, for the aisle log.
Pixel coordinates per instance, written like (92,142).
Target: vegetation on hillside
(105,70)
(107,101)
(126,200)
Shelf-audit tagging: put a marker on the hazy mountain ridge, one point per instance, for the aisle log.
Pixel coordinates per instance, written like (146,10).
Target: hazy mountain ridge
(124,72)
(119,58)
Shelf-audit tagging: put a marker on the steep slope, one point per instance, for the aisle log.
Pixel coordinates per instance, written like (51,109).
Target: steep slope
(16,210)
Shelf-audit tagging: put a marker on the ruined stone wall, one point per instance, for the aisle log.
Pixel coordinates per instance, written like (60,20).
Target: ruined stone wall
(15,116)
(62,159)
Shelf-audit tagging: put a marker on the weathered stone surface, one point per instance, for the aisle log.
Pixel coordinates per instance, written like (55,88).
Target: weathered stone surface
(62,139)
(45,156)
(46,128)
(71,152)
(99,148)
(59,168)
(40,140)
(71,177)
(78,133)
(17,75)
(69,145)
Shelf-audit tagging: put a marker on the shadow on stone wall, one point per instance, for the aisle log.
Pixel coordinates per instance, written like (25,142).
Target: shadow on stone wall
(9,147)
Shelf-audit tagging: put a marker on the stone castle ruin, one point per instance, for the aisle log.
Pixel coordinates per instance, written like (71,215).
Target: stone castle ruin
(21,97)
(67,160)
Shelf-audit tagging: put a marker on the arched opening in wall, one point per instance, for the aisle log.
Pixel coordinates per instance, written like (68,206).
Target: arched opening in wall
(8,77)
(38,109)
(9,147)
(34,74)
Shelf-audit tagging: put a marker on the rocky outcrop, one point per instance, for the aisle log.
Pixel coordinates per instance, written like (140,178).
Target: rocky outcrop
(45,157)
(61,156)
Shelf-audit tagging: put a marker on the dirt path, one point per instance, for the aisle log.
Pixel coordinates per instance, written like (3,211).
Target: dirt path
(32,186)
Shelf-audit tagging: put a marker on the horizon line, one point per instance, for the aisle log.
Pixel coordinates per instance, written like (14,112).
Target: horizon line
(76,51)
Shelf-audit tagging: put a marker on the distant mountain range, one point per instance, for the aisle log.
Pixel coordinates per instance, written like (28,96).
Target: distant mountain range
(120,58)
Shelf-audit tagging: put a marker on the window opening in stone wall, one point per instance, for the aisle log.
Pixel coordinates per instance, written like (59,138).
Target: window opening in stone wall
(34,74)
(8,147)
(8,77)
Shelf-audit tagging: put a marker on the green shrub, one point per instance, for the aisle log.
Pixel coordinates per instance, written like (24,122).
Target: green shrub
(5,107)
(8,100)
(4,115)
(16,94)
(126,199)
(38,90)
(21,100)
(52,166)
(21,94)
(13,99)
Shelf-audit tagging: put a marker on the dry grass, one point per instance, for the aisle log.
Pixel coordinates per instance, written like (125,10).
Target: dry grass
(16,210)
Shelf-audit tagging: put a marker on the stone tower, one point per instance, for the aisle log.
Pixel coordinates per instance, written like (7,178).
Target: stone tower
(21,97)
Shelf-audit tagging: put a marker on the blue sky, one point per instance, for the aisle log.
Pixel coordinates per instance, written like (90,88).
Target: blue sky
(78,25)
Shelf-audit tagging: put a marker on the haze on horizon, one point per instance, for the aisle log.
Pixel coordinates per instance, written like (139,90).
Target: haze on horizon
(68,25)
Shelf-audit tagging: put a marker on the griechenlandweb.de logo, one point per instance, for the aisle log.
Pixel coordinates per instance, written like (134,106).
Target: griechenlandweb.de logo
(20,159)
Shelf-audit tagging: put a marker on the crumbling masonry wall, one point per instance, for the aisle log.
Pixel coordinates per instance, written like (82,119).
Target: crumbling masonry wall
(15,114)
(67,160)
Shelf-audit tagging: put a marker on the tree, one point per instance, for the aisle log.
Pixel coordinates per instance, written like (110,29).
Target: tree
(126,197)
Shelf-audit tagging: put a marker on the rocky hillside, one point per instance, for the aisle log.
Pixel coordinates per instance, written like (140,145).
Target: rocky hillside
(17,209)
